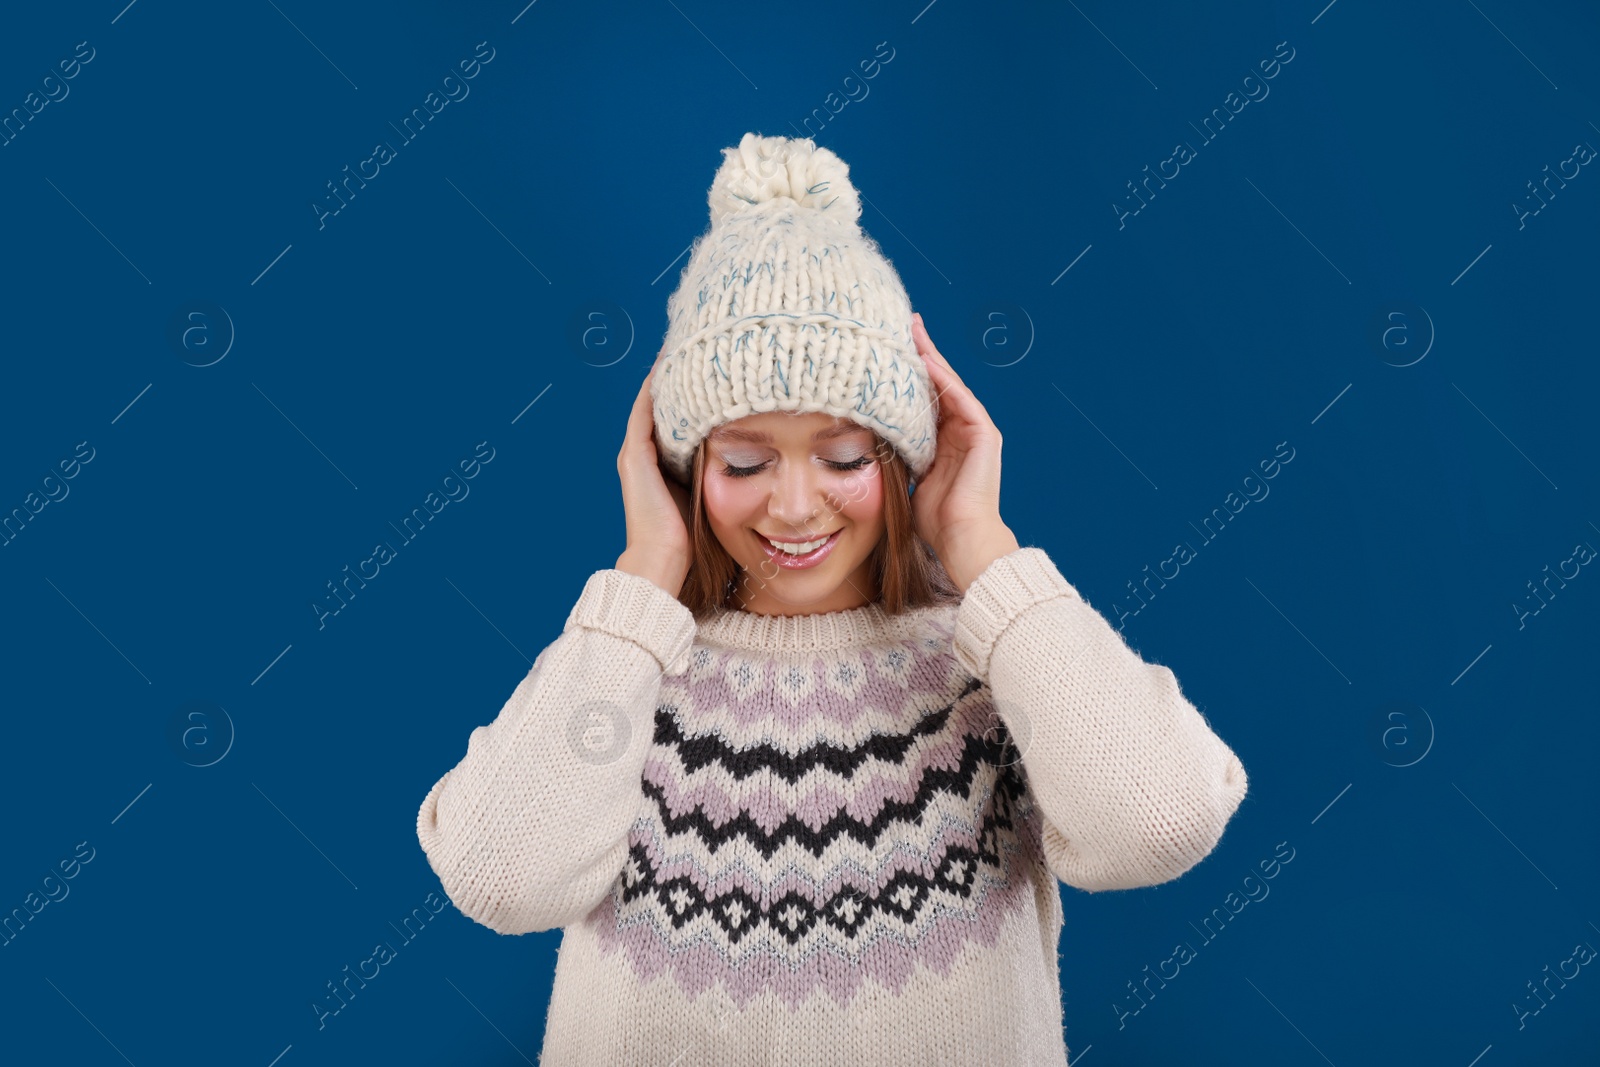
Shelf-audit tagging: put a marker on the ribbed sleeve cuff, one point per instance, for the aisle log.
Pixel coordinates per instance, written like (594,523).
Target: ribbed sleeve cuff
(1010,585)
(628,606)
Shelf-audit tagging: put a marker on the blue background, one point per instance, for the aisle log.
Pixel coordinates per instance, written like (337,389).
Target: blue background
(1427,754)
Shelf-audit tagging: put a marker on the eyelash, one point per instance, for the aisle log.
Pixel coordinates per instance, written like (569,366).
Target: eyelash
(745,472)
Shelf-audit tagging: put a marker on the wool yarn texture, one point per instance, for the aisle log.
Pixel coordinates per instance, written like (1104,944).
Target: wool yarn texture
(786,304)
(823,840)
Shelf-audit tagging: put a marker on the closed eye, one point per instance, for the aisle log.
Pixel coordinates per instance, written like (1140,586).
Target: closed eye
(744,472)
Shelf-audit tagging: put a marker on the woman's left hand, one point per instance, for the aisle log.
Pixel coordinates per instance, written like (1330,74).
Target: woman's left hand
(956,506)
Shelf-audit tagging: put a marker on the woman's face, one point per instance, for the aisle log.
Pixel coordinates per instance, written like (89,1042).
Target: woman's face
(809,481)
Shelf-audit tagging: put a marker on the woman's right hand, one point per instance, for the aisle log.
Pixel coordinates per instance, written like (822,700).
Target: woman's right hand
(657,508)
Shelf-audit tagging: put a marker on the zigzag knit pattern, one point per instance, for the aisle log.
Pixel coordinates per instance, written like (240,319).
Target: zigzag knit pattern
(868,808)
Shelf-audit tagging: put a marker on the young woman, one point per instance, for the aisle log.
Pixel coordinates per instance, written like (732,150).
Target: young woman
(799,777)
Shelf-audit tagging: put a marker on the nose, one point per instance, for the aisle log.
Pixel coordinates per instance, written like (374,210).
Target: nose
(796,497)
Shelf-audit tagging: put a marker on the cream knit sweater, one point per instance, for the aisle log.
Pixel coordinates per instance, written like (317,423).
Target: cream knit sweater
(824,839)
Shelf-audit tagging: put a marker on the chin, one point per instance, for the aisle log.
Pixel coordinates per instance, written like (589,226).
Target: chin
(802,602)
(794,591)
(799,589)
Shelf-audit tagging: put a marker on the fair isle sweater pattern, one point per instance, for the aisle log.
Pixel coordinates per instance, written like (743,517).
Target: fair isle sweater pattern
(826,839)
(867,808)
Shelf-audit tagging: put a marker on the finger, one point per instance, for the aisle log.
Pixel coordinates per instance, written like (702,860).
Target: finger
(936,358)
(944,376)
(924,342)
(938,373)
(641,402)
(947,384)
(941,382)
(956,401)
(641,418)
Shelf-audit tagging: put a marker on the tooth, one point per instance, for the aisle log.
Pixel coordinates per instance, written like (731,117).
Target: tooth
(798,548)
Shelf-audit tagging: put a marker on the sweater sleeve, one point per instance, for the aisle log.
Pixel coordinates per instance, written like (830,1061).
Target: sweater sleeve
(529,831)
(1134,786)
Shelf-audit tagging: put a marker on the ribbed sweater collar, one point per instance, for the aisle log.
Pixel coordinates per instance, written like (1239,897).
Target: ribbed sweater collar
(827,631)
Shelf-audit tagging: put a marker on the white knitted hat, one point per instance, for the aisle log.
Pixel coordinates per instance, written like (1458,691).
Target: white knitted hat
(787,305)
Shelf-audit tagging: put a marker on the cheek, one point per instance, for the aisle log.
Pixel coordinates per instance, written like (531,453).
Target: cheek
(729,501)
(862,499)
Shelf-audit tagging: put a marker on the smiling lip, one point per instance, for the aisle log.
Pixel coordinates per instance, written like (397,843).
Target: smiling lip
(809,559)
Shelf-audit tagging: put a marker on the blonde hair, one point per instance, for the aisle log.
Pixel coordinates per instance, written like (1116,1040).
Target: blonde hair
(906,571)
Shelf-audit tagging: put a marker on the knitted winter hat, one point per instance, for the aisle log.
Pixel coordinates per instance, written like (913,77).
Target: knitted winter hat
(787,305)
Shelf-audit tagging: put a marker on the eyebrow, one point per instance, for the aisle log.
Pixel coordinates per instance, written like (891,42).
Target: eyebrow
(735,433)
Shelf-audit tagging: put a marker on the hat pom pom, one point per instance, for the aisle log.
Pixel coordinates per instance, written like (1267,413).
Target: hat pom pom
(760,170)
